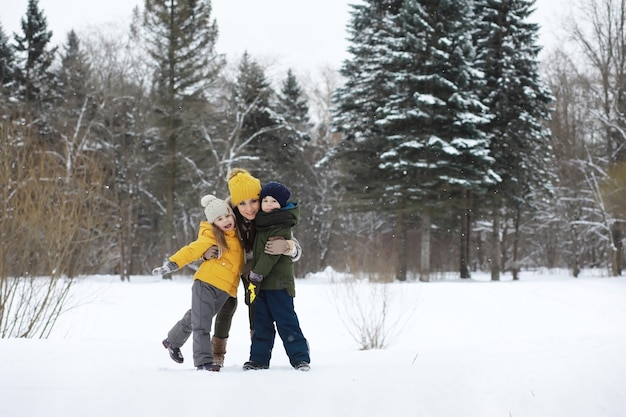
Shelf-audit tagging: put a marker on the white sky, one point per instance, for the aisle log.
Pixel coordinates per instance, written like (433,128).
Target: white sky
(302,34)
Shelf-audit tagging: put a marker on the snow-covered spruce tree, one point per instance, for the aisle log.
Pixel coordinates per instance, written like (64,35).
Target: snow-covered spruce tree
(253,94)
(75,112)
(355,161)
(179,37)
(507,53)
(436,154)
(7,60)
(74,75)
(292,103)
(34,57)
(7,72)
(269,138)
(367,87)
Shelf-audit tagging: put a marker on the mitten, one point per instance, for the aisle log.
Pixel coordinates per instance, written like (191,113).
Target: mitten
(211,253)
(254,277)
(167,267)
(251,292)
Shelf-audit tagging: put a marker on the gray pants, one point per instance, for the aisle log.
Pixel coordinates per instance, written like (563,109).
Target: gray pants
(206,301)
(181,331)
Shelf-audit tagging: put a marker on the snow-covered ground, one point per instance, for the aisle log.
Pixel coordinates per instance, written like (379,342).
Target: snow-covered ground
(546,346)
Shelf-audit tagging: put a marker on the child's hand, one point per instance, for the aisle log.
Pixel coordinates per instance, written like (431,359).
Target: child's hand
(167,267)
(254,277)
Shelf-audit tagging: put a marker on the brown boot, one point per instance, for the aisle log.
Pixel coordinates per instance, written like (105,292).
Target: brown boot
(219,350)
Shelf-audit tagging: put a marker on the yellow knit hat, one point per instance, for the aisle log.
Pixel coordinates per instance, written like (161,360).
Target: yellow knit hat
(242,186)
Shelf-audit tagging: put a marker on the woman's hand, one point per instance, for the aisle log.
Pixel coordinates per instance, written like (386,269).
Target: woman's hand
(211,253)
(278,245)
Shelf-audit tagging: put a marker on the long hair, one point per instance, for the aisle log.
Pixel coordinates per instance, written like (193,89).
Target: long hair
(246,229)
(220,237)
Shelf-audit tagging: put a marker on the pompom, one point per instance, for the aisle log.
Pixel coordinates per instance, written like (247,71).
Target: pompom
(206,200)
(236,171)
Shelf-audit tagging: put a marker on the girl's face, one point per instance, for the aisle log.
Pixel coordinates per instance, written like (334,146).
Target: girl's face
(269,203)
(249,208)
(225,223)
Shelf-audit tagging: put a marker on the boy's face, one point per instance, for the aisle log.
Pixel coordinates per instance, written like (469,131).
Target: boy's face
(225,223)
(249,208)
(269,203)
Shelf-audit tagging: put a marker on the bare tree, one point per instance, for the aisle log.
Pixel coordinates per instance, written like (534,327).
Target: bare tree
(49,225)
(602,41)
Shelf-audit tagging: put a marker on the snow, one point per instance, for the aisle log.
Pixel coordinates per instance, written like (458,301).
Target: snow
(548,345)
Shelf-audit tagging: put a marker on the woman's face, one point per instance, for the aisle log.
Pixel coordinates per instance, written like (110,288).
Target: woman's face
(249,208)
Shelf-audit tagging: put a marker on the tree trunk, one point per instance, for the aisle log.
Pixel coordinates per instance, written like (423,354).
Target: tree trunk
(169,196)
(400,246)
(465,237)
(515,263)
(425,255)
(495,245)
(618,250)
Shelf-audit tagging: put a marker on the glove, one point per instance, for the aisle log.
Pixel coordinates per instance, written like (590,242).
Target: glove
(167,267)
(211,253)
(252,291)
(279,246)
(254,277)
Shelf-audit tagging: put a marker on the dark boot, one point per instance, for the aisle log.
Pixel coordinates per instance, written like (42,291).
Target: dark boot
(174,352)
(213,367)
(253,365)
(219,349)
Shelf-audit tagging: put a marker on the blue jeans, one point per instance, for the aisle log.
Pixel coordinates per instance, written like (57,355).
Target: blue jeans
(276,307)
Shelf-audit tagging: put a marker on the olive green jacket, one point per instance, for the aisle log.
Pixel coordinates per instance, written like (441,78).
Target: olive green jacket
(277,270)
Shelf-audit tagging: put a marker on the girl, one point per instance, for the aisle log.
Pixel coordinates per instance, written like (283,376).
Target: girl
(215,280)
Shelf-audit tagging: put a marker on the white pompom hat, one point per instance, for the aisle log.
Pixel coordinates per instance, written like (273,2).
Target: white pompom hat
(214,207)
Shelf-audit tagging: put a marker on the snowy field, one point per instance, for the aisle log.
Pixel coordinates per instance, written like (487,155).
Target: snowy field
(546,346)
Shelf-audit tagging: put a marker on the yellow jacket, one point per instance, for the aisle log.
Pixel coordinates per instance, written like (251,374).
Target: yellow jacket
(222,272)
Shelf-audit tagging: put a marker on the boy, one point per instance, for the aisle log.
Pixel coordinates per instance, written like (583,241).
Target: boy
(274,276)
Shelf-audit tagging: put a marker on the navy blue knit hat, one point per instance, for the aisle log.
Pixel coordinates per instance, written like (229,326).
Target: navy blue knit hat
(277,190)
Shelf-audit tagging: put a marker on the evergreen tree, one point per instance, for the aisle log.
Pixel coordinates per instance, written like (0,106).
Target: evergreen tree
(411,108)
(266,134)
(180,39)
(76,111)
(436,149)
(253,92)
(355,104)
(7,61)
(75,73)
(292,103)
(516,96)
(438,154)
(7,72)
(35,57)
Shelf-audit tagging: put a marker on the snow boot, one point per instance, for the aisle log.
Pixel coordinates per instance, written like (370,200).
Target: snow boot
(212,366)
(302,366)
(174,352)
(219,349)
(254,365)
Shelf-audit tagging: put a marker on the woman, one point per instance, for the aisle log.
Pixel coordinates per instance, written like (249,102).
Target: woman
(244,192)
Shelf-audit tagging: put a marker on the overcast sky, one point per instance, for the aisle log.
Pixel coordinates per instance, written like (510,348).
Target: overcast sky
(302,34)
